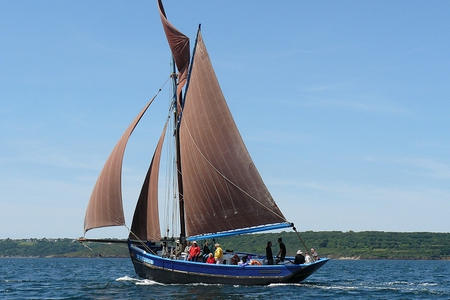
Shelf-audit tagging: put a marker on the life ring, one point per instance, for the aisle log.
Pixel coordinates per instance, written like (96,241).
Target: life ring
(255,262)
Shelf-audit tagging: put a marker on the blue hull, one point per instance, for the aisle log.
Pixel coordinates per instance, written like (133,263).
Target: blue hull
(167,270)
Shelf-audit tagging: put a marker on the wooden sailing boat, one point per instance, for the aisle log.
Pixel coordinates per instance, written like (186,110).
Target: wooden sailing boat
(220,191)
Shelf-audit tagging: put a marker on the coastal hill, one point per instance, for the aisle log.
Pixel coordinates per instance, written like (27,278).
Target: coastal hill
(333,244)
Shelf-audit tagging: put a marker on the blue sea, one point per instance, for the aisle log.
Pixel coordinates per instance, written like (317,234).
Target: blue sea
(114,278)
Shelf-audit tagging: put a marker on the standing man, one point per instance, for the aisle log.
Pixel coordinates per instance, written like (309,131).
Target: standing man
(269,254)
(282,253)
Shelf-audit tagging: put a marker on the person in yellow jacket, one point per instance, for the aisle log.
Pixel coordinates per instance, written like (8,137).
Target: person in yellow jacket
(218,254)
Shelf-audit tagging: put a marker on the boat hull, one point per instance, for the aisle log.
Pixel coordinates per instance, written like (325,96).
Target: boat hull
(172,271)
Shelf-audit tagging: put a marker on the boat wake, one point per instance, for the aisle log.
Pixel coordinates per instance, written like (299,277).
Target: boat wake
(148,282)
(406,283)
(393,286)
(137,281)
(126,278)
(284,284)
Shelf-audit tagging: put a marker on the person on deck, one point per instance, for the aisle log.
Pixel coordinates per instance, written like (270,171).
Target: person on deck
(210,259)
(235,259)
(314,254)
(244,261)
(186,250)
(308,258)
(178,248)
(206,251)
(269,254)
(218,254)
(299,258)
(165,250)
(282,253)
(194,251)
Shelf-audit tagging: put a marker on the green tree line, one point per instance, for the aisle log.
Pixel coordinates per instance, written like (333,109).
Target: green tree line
(59,248)
(333,244)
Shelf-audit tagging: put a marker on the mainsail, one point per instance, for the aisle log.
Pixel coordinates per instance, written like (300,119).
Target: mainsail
(222,187)
(105,205)
(145,224)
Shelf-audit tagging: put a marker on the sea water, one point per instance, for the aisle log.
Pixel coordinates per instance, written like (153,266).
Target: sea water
(114,278)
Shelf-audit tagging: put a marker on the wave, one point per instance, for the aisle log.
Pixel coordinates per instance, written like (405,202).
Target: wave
(126,278)
(138,281)
(207,284)
(315,286)
(285,284)
(411,283)
(148,282)
(428,284)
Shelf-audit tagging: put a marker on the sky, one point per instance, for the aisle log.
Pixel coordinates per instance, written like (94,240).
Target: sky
(344,106)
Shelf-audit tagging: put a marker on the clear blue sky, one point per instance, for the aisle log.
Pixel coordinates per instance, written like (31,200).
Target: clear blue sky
(344,105)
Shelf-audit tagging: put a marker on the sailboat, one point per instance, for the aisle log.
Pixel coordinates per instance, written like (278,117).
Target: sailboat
(219,190)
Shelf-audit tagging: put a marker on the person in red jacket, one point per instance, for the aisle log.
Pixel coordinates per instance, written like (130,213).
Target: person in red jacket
(210,259)
(194,252)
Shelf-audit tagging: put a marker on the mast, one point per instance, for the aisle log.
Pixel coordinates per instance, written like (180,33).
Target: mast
(177,143)
(177,115)
(179,46)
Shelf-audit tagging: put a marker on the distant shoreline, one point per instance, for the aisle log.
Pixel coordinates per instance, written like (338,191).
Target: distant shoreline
(337,245)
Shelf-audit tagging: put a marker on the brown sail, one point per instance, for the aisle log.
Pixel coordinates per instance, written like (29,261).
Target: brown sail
(222,188)
(145,224)
(179,45)
(105,205)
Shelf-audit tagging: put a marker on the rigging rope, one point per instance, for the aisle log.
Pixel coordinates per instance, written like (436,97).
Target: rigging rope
(167,181)
(170,207)
(89,248)
(303,242)
(140,241)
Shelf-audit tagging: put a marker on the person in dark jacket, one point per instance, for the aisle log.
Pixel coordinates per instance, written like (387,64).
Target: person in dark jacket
(235,259)
(269,254)
(299,258)
(282,253)
(205,251)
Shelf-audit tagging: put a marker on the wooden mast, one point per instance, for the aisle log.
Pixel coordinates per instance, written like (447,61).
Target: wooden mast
(177,117)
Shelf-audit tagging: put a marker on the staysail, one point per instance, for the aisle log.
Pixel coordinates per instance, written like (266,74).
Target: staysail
(105,205)
(222,187)
(179,45)
(145,224)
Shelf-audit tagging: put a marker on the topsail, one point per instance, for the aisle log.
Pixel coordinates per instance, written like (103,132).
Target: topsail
(179,45)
